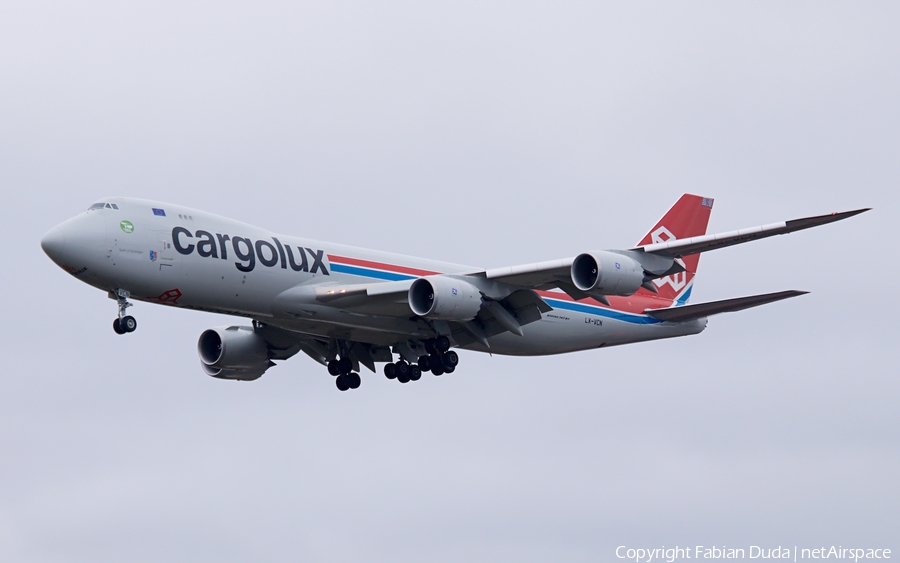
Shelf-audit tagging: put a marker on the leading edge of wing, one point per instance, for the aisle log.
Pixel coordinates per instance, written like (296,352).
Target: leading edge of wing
(683,247)
(700,310)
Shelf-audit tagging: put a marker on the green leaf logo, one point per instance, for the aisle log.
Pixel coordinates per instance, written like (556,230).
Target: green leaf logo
(127,226)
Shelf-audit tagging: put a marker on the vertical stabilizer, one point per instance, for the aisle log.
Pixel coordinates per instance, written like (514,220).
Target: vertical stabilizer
(687,218)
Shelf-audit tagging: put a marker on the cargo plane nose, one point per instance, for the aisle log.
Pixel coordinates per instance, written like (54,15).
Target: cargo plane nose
(54,244)
(76,245)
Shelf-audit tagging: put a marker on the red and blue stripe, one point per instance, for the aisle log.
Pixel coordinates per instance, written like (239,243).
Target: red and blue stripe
(377,270)
(557,300)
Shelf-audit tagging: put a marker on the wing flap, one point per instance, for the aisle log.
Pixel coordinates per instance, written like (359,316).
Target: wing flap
(700,310)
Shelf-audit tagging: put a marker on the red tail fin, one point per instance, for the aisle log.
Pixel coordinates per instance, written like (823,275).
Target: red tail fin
(687,218)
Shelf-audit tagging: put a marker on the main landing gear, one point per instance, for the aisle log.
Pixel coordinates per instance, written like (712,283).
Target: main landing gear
(123,323)
(402,371)
(440,360)
(343,369)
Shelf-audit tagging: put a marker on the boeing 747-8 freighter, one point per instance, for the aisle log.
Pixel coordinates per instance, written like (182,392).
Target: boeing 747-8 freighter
(345,307)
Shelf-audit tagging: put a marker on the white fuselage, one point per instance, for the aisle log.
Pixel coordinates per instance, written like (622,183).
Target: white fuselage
(188,258)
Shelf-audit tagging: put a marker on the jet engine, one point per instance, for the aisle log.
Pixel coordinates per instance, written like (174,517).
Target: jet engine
(234,352)
(444,298)
(606,273)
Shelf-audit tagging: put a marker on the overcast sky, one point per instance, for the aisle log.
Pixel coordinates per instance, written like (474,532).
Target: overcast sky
(489,134)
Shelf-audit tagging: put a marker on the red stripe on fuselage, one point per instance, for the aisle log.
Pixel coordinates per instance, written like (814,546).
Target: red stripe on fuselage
(379,266)
(629,304)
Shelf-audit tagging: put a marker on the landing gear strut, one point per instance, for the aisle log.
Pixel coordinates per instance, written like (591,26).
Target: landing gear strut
(123,323)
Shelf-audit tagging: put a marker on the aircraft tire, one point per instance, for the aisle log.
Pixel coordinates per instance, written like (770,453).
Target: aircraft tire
(450,369)
(342,383)
(334,368)
(450,360)
(354,380)
(442,343)
(390,371)
(345,365)
(438,370)
(402,369)
(424,363)
(128,324)
(403,377)
(117,328)
(415,373)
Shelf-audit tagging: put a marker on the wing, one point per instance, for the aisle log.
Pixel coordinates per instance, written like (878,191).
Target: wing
(658,259)
(691,312)
(693,245)
(504,309)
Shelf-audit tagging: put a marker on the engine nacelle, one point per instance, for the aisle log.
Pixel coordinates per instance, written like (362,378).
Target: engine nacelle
(444,298)
(606,273)
(234,352)
(233,374)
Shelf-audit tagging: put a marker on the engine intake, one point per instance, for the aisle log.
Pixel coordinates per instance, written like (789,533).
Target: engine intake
(444,298)
(234,352)
(606,273)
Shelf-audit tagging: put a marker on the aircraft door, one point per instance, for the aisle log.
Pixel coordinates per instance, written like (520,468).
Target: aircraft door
(163,253)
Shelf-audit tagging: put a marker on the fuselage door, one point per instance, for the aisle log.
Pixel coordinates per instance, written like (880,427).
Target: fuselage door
(163,253)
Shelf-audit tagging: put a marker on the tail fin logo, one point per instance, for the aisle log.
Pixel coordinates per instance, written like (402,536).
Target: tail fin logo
(657,235)
(677,281)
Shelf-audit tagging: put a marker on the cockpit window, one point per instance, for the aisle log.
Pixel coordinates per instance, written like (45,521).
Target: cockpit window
(103,206)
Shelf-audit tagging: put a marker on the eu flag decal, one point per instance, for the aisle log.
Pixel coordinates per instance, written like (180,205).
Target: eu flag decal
(160,212)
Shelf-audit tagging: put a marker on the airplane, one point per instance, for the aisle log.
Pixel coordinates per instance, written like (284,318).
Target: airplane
(347,307)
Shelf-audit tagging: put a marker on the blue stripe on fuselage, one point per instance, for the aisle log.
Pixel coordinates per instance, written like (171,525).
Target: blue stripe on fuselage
(684,296)
(367,273)
(601,312)
(555,303)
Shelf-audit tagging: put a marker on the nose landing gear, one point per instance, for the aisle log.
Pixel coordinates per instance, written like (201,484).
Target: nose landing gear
(124,323)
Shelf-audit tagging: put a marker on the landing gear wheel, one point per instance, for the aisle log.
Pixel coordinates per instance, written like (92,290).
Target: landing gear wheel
(354,380)
(333,367)
(438,370)
(345,365)
(415,373)
(450,360)
(342,383)
(442,343)
(390,371)
(429,346)
(402,368)
(403,377)
(449,369)
(436,361)
(424,364)
(123,323)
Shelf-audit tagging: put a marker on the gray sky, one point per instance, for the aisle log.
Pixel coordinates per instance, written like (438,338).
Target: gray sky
(489,135)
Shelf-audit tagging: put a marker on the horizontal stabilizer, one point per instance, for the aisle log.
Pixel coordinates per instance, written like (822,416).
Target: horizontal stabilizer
(700,310)
(684,247)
